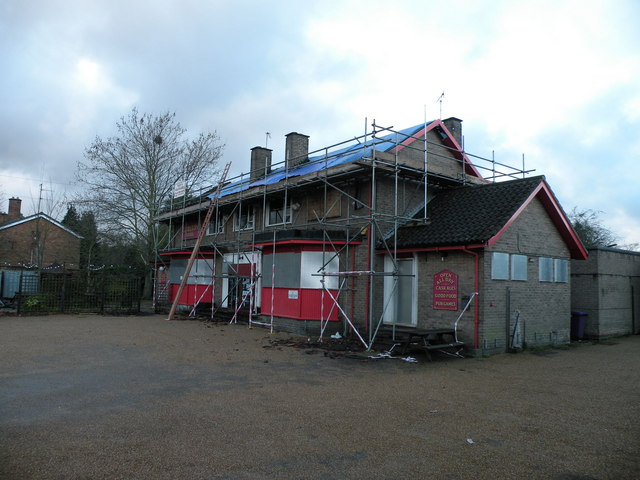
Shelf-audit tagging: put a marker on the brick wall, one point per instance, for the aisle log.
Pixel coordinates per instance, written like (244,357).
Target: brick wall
(544,307)
(606,287)
(18,246)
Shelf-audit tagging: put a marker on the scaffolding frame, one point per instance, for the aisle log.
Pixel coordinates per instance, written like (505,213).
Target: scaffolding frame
(381,228)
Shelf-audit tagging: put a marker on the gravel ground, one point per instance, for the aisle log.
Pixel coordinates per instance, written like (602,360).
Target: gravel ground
(91,397)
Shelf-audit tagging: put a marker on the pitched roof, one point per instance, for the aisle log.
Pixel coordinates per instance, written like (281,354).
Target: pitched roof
(44,216)
(478,215)
(351,151)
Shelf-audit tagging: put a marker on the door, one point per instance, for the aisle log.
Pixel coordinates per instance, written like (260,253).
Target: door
(239,286)
(400,292)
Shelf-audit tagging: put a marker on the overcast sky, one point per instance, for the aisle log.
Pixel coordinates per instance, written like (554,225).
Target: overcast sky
(558,81)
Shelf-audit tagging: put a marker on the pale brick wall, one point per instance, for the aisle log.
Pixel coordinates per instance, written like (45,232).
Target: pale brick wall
(606,286)
(545,317)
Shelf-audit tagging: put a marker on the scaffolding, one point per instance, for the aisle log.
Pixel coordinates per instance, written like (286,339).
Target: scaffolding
(335,173)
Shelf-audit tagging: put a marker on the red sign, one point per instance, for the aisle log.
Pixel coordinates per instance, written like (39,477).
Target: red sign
(445,290)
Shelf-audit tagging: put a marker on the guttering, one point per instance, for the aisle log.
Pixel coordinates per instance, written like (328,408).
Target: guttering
(436,249)
(187,252)
(476,305)
(304,242)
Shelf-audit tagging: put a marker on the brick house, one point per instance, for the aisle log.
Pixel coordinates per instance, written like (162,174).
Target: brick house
(607,289)
(508,241)
(340,239)
(36,241)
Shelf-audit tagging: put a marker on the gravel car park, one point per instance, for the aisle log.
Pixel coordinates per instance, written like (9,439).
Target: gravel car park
(137,397)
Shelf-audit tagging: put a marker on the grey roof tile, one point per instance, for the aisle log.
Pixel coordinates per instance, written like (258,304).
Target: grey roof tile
(468,215)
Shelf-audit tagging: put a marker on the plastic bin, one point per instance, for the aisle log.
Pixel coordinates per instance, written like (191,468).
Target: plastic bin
(578,323)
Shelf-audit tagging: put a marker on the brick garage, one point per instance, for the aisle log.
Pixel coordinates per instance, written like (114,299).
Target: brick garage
(606,287)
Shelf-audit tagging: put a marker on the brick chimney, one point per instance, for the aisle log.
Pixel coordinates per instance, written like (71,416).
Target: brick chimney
(454,125)
(297,149)
(15,205)
(260,163)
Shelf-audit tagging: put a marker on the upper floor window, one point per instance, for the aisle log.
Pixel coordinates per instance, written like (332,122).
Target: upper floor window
(278,213)
(245,219)
(216,224)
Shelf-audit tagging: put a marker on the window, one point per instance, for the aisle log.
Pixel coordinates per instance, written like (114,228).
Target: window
(216,224)
(561,270)
(508,267)
(519,267)
(500,266)
(244,219)
(554,270)
(546,269)
(278,214)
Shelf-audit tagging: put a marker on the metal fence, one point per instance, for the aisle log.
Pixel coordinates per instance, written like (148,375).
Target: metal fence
(101,291)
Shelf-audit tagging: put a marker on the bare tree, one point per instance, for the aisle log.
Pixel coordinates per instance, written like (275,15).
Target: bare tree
(589,228)
(128,177)
(51,203)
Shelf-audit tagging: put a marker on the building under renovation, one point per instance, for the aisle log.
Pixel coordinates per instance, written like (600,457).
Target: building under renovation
(392,229)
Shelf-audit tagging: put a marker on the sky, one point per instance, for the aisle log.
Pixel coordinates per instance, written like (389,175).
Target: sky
(556,81)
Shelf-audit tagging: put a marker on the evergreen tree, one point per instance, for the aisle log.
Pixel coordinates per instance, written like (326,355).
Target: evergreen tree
(71,219)
(84,225)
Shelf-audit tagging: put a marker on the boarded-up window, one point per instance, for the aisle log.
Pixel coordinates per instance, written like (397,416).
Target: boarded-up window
(500,266)
(561,273)
(519,267)
(318,209)
(546,269)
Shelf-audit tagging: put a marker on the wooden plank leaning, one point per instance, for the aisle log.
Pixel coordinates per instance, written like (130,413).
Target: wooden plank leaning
(201,235)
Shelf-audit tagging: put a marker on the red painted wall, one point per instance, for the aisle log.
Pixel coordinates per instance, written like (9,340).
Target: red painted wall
(306,307)
(191,294)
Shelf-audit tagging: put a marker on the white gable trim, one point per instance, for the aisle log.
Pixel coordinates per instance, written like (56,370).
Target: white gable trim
(43,216)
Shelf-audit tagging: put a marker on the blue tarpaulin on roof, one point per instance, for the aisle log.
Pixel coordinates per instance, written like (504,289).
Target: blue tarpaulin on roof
(341,156)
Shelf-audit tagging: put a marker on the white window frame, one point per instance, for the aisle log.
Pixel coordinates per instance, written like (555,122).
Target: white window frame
(250,214)
(286,212)
(216,224)
(390,293)
(246,257)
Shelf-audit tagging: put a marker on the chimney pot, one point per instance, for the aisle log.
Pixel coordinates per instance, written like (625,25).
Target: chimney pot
(15,205)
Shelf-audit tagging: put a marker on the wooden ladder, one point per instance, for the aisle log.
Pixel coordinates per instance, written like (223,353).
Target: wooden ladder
(201,235)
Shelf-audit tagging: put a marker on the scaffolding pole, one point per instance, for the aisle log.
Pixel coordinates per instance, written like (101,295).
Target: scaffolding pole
(381,226)
(196,248)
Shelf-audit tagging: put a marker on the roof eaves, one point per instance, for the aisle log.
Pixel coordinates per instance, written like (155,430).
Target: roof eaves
(44,216)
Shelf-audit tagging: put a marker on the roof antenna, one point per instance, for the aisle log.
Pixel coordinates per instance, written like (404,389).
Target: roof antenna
(440,102)
(266,140)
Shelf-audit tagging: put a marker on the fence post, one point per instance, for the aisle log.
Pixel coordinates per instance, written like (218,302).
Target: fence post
(20,293)
(103,292)
(63,292)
